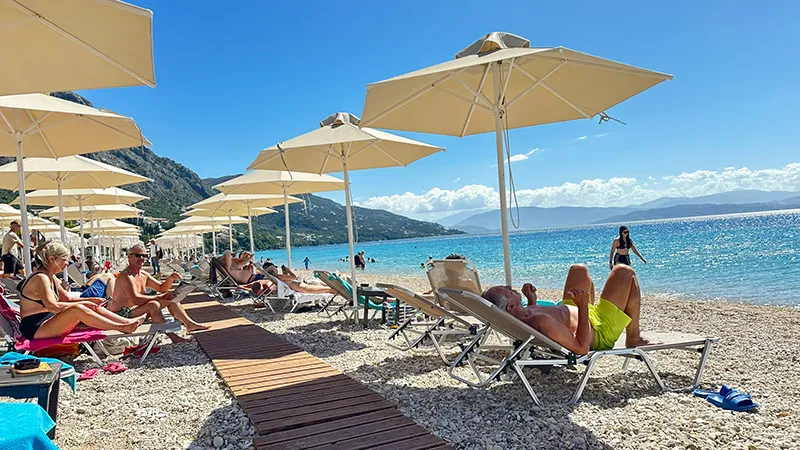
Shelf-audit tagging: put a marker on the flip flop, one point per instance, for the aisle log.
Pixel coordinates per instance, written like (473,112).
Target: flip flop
(115,368)
(723,391)
(734,401)
(88,374)
(140,351)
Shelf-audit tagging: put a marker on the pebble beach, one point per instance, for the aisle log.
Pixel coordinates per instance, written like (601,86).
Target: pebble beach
(177,401)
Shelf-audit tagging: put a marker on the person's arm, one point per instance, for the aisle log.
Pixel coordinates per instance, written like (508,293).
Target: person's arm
(611,256)
(530,293)
(633,247)
(55,302)
(164,286)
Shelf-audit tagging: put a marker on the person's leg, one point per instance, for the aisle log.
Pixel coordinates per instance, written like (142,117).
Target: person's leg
(152,309)
(177,311)
(114,317)
(63,322)
(622,289)
(578,277)
(310,288)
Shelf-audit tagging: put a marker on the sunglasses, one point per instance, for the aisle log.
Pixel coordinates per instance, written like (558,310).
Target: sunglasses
(624,232)
(138,255)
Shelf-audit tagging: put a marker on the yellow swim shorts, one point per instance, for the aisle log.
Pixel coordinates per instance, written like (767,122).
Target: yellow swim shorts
(608,323)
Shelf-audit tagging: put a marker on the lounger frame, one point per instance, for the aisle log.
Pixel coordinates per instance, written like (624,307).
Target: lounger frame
(533,349)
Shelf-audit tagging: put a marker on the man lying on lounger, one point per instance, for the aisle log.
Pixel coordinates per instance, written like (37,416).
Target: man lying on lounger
(296,284)
(130,297)
(578,324)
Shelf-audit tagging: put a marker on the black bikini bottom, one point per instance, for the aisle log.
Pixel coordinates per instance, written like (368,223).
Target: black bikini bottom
(29,325)
(622,259)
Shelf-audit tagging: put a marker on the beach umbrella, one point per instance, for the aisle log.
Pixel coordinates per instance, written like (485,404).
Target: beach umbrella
(231,211)
(339,145)
(83,44)
(213,222)
(38,125)
(77,171)
(111,225)
(499,83)
(281,182)
(7,210)
(231,202)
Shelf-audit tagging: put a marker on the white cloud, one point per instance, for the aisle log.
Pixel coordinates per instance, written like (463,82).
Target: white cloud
(651,178)
(522,156)
(582,138)
(596,192)
(601,135)
(457,180)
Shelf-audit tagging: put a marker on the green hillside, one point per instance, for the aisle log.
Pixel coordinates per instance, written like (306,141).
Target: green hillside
(320,221)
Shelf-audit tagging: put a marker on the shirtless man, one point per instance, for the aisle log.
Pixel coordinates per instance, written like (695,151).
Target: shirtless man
(130,299)
(578,324)
(241,268)
(259,285)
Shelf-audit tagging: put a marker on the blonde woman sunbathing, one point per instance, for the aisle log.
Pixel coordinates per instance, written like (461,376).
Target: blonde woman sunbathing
(296,284)
(47,311)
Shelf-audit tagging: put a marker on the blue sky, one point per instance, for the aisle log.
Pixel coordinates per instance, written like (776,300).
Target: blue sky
(237,78)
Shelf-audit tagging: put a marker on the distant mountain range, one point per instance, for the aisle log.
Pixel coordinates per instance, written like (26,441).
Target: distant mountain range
(533,217)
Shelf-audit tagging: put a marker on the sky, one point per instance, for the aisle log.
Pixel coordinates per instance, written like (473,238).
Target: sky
(234,79)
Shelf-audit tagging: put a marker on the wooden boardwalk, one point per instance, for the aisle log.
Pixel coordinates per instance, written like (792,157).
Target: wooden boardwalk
(295,400)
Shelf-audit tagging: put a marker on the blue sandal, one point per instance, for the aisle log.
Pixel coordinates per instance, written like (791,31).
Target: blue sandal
(733,401)
(723,391)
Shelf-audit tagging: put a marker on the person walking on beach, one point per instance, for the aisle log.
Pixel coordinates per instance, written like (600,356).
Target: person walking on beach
(621,248)
(12,244)
(155,257)
(306,261)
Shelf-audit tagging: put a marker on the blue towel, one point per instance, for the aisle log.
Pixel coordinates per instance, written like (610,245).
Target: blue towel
(96,289)
(12,357)
(25,427)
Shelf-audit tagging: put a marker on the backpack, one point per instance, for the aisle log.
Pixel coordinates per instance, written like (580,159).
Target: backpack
(159,252)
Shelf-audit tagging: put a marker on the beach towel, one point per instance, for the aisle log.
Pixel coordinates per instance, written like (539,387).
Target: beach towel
(74,337)
(12,357)
(24,427)
(96,289)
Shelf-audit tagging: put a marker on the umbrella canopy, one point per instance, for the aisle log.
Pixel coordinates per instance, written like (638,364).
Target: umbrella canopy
(281,182)
(230,211)
(8,210)
(36,223)
(75,45)
(499,83)
(82,197)
(38,125)
(96,212)
(244,203)
(108,225)
(193,229)
(200,220)
(339,145)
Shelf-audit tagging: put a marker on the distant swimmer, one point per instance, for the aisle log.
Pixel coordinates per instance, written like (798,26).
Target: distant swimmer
(621,248)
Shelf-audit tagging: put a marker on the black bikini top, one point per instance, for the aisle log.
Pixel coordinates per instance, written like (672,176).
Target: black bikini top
(24,283)
(621,244)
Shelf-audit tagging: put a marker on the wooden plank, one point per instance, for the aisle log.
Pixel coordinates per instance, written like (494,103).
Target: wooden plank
(269,379)
(300,403)
(325,427)
(363,426)
(426,441)
(301,396)
(309,388)
(305,410)
(315,418)
(275,370)
(370,441)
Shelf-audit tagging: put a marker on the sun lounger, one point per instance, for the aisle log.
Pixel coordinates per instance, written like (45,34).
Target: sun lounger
(534,349)
(10,286)
(220,280)
(296,299)
(9,323)
(439,325)
(345,291)
(455,274)
(333,307)
(76,276)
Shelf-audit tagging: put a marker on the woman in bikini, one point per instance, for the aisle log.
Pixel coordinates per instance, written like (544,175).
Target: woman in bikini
(47,311)
(621,247)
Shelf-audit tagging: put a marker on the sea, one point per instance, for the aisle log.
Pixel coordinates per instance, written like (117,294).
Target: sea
(753,257)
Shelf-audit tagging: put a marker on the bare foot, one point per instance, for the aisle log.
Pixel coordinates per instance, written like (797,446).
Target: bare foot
(197,327)
(176,339)
(640,342)
(131,327)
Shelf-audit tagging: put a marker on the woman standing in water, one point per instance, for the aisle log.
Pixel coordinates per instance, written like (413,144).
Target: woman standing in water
(621,248)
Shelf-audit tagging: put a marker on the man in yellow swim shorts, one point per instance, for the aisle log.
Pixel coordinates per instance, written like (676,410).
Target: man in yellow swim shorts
(579,324)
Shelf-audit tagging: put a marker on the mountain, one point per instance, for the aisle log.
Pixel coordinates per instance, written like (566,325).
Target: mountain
(724,198)
(678,211)
(322,221)
(453,219)
(534,217)
(175,187)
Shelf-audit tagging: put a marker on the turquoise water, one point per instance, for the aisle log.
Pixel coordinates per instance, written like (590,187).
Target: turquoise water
(745,257)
